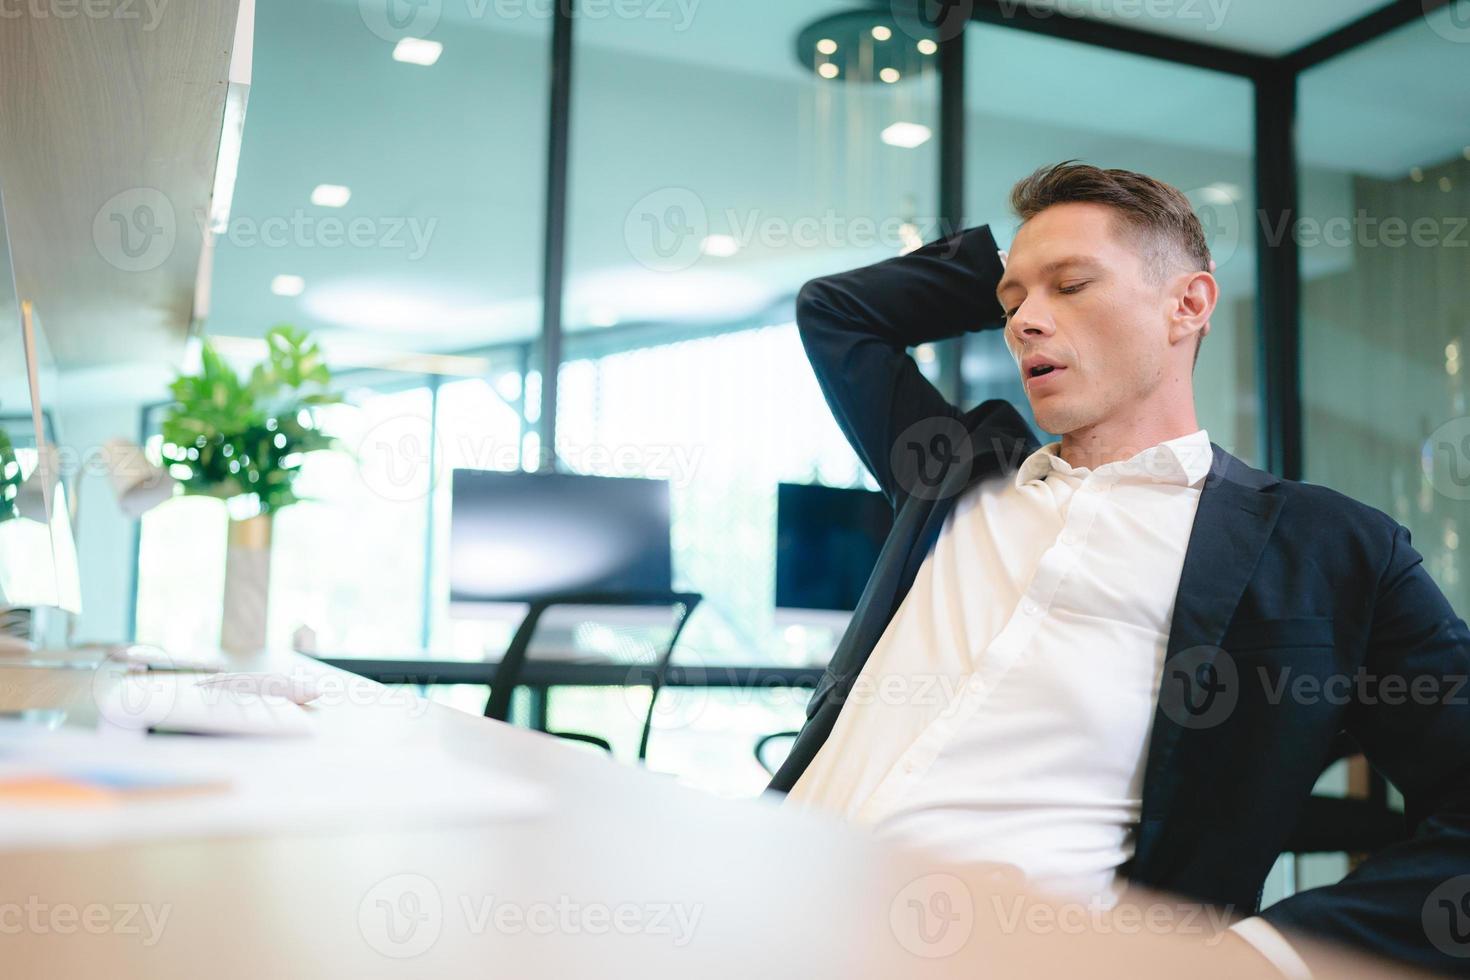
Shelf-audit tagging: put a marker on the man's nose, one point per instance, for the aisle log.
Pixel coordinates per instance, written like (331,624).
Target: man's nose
(1031,323)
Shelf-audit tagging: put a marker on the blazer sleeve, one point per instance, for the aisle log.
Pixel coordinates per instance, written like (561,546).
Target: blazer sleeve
(856,327)
(1411,715)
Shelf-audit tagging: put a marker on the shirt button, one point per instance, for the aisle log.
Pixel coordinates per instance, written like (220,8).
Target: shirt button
(909,767)
(1069,538)
(1031,608)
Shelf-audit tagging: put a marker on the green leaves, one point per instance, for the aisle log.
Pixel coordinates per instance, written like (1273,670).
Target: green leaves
(225,436)
(10,478)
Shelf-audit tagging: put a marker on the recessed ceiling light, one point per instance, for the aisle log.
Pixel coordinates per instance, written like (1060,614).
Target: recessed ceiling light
(288,285)
(417,51)
(881,33)
(1445,184)
(827,46)
(927,46)
(719,246)
(1415,174)
(331,196)
(906,134)
(889,75)
(827,70)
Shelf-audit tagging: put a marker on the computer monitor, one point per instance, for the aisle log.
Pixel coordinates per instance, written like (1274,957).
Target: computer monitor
(38,562)
(516,537)
(827,543)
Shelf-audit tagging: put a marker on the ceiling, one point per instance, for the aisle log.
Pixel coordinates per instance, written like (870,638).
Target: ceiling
(699,110)
(1266,27)
(109,129)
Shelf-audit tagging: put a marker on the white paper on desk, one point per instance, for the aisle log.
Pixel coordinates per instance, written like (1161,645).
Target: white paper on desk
(274,787)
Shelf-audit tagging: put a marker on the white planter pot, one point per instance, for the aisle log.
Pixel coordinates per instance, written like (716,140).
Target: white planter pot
(247,586)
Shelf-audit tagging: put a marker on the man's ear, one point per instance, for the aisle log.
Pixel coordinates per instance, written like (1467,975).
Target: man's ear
(1194,299)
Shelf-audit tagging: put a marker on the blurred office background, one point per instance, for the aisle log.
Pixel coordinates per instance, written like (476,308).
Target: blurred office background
(712,165)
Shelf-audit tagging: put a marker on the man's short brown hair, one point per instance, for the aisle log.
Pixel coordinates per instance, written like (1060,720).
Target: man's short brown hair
(1160,218)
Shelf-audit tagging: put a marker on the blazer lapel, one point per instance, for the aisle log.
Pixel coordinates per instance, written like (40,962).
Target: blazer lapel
(1234,520)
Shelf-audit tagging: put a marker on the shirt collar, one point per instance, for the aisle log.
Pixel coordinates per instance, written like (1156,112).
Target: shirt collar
(1184,461)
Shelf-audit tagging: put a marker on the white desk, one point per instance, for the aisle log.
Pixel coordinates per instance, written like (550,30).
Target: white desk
(595,888)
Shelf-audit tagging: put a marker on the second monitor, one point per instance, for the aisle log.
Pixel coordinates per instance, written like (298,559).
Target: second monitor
(520,536)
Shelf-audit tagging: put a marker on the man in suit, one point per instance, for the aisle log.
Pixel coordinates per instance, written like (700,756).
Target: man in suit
(1124,656)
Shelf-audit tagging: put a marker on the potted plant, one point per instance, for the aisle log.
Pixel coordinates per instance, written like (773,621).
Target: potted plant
(243,439)
(10,478)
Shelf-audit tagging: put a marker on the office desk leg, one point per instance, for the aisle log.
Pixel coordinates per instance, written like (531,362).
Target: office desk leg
(540,698)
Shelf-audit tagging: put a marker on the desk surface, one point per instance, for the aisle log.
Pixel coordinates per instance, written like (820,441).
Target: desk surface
(627,875)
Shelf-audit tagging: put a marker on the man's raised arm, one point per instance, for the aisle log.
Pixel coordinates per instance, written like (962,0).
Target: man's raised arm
(856,327)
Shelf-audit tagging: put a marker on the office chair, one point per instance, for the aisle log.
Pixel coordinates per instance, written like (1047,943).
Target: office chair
(764,743)
(512,665)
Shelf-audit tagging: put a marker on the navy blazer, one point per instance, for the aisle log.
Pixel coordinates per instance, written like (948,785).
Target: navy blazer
(1300,613)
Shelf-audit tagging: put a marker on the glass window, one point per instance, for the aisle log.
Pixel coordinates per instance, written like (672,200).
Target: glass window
(478,425)
(797,142)
(181,572)
(1385,182)
(1033,101)
(723,419)
(349,560)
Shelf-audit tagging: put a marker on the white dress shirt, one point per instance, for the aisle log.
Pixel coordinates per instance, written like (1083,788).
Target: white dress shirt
(1004,715)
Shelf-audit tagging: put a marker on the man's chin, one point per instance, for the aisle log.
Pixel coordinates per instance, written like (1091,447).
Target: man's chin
(1056,418)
